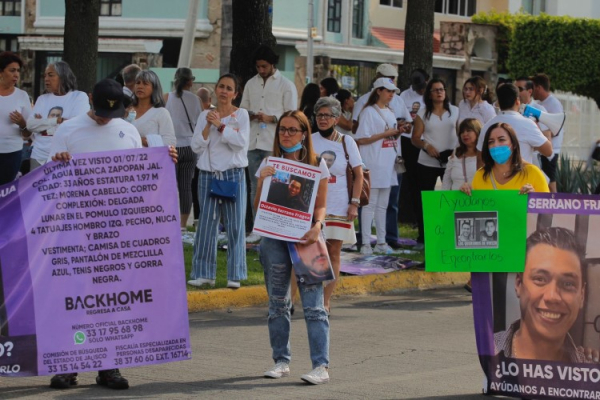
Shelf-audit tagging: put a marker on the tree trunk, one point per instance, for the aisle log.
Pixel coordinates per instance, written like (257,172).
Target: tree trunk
(252,27)
(418,48)
(226,33)
(81,40)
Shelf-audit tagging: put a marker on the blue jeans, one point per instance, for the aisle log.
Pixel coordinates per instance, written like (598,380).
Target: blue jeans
(255,157)
(277,265)
(204,262)
(391,215)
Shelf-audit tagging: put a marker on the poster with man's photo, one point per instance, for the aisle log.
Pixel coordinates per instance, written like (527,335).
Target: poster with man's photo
(476,230)
(311,262)
(538,331)
(287,200)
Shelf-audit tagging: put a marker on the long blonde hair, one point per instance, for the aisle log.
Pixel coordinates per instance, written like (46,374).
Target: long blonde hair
(307,153)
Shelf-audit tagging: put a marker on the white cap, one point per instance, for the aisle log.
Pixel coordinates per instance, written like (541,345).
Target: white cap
(386,83)
(387,70)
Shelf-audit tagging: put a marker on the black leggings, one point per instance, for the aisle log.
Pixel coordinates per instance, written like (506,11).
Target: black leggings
(427,178)
(186,161)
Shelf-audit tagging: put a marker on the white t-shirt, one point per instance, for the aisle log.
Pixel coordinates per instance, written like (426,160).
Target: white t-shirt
(157,120)
(379,156)
(83,135)
(348,116)
(397,106)
(528,133)
(73,104)
(228,149)
(181,123)
(454,176)
(439,133)
(337,186)
(10,134)
(553,106)
(482,111)
(414,102)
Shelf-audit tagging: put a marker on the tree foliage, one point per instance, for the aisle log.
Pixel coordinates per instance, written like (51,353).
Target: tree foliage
(81,40)
(564,48)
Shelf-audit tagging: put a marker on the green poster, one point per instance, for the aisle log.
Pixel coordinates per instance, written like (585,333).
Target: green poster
(484,232)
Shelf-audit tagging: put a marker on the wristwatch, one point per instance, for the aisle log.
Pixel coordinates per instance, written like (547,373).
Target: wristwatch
(355,201)
(320,222)
(221,128)
(275,119)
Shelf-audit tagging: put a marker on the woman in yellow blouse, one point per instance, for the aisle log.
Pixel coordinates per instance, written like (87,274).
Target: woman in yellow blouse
(503,168)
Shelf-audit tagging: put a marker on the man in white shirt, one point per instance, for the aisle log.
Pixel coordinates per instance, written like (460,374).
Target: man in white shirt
(530,136)
(541,92)
(129,73)
(267,95)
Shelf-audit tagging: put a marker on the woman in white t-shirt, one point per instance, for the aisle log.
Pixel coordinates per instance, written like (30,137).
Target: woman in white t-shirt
(184,108)
(435,134)
(293,141)
(151,116)
(473,105)
(62,101)
(377,138)
(342,210)
(462,164)
(15,108)
(344,124)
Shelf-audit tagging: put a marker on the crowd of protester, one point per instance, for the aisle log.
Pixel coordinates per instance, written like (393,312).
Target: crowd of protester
(417,128)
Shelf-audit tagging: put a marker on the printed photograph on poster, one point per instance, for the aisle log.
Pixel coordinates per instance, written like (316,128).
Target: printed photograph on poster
(546,318)
(311,262)
(286,198)
(476,230)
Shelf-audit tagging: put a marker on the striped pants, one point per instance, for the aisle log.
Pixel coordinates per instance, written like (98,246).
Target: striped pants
(204,263)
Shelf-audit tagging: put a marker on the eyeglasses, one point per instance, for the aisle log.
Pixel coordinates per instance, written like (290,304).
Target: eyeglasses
(438,90)
(324,116)
(521,88)
(289,131)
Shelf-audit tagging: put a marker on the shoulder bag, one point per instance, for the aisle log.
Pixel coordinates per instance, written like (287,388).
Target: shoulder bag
(366,185)
(220,188)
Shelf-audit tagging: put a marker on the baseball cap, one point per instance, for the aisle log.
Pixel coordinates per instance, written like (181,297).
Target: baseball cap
(418,81)
(386,83)
(107,98)
(387,70)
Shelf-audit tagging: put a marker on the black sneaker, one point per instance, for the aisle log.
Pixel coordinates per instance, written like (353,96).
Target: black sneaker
(63,381)
(394,245)
(112,379)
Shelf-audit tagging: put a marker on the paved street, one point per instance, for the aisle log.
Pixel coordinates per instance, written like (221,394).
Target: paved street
(413,345)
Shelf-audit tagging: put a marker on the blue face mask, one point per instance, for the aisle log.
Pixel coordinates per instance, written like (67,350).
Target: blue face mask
(292,149)
(500,154)
(131,116)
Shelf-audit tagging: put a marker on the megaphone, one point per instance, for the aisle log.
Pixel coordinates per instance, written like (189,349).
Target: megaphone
(554,122)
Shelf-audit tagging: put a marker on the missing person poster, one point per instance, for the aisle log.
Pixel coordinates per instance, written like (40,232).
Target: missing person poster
(311,262)
(287,200)
(91,266)
(538,331)
(483,232)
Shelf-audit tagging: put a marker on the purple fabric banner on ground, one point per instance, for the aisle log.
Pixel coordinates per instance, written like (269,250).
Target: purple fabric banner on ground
(538,332)
(91,266)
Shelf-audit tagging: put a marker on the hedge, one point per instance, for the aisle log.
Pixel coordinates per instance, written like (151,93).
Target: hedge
(565,48)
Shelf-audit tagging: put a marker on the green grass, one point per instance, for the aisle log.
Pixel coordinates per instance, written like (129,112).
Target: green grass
(255,270)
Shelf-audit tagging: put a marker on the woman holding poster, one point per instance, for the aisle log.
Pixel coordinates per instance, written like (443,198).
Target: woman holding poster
(293,142)
(341,210)
(221,141)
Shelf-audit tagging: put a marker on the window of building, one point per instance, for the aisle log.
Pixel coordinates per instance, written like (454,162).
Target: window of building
(10,8)
(464,8)
(391,3)
(358,11)
(110,8)
(534,7)
(334,16)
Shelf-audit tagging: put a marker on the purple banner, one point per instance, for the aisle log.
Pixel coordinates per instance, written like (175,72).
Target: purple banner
(538,332)
(91,266)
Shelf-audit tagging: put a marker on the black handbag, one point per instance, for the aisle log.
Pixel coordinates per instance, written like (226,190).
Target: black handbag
(444,156)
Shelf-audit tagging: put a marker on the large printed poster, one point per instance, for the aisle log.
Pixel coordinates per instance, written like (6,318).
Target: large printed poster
(538,331)
(91,266)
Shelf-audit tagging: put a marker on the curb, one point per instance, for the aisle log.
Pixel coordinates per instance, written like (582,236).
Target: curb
(206,300)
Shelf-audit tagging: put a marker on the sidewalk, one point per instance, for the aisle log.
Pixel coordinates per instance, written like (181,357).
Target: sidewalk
(248,296)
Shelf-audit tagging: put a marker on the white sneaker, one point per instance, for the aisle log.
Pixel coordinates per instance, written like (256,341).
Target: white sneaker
(280,370)
(366,250)
(233,284)
(201,282)
(317,376)
(188,238)
(383,248)
(253,238)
